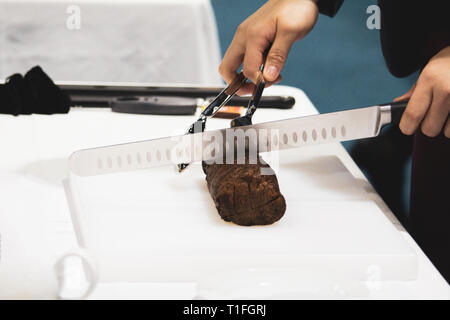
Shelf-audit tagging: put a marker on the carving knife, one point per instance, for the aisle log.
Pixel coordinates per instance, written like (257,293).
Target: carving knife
(267,137)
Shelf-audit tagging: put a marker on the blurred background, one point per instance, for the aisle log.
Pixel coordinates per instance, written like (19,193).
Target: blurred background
(338,65)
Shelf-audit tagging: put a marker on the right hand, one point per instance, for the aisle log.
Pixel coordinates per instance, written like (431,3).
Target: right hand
(278,23)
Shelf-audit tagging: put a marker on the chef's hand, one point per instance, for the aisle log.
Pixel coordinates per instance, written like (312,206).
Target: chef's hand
(278,22)
(429,103)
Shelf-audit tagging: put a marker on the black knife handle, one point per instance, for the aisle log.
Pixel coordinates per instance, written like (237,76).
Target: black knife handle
(397,109)
(155,105)
(166,105)
(276,102)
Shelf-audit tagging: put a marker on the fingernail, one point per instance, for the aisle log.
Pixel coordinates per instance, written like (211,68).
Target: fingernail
(271,72)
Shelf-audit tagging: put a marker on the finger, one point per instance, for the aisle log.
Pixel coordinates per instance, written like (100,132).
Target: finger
(249,87)
(246,89)
(406,95)
(436,116)
(416,109)
(447,129)
(269,84)
(277,56)
(232,60)
(253,58)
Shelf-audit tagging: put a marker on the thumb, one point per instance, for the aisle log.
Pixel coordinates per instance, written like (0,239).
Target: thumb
(277,56)
(406,95)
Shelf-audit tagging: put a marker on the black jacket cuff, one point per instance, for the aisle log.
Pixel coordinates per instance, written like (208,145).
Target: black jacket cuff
(329,7)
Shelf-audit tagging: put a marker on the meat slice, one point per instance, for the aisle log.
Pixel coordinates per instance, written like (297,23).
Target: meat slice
(242,195)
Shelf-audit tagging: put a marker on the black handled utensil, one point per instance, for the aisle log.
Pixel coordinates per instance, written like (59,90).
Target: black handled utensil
(177,105)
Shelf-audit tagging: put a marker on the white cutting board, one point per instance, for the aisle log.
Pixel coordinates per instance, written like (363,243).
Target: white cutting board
(158,225)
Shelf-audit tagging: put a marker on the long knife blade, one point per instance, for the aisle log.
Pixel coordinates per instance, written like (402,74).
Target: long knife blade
(269,136)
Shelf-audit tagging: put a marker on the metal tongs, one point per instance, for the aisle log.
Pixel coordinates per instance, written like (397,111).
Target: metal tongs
(228,93)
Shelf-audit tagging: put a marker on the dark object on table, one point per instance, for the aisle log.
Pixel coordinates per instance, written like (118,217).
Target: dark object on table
(155,105)
(105,97)
(37,93)
(33,93)
(242,195)
(176,105)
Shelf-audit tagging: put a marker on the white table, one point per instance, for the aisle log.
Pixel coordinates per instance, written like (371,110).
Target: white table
(34,159)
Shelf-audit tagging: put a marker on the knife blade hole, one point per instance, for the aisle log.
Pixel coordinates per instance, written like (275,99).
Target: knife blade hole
(295,137)
(168,155)
(110,162)
(129,159)
(119,161)
(285,138)
(343,131)
(138,158)
(333,132)
(305,136)
(324,133)
(149,157)
(314,135)
(158,155)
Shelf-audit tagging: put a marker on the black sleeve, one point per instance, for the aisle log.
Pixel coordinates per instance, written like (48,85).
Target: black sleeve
(407,47)
(329,7)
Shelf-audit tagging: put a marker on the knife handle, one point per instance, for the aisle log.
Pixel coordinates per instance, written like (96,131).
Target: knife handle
(397,109)
(155,105)
(275,102)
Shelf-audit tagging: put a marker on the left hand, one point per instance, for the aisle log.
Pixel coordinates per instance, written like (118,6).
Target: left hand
(429,103)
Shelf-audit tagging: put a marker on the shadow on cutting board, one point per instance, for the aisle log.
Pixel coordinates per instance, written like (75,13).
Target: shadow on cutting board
(51,171)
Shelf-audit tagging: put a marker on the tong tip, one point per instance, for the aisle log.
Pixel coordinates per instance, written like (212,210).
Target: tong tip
(182,166)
